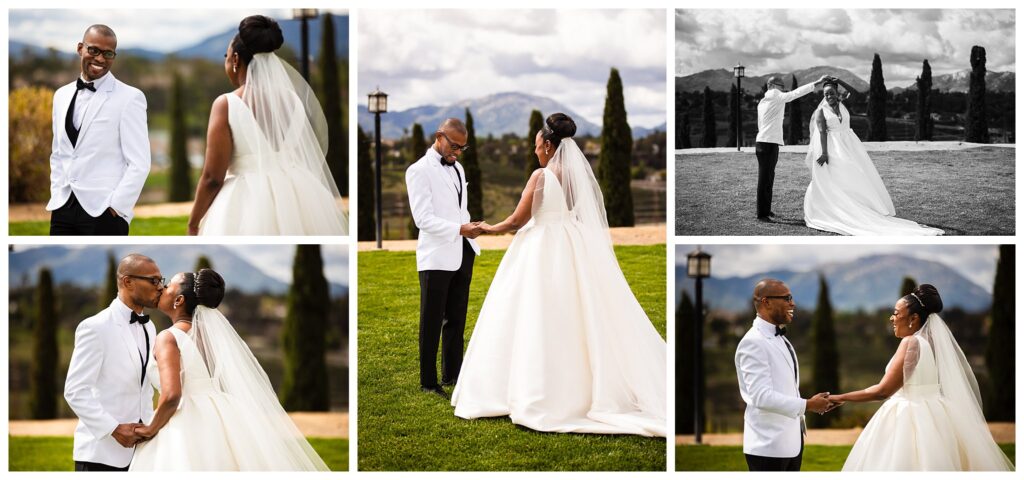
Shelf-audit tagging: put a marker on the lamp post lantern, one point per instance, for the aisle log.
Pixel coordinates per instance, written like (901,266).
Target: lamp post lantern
(377,104)
(304,15)
(698,267)
(739,71)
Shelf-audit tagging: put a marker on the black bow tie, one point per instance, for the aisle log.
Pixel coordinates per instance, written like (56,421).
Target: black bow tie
(87,85)
(780,331)
(141,319)
(443,162)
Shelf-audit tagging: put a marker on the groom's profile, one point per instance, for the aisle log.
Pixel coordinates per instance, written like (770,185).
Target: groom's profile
(770,112)
(111,377)
(100,153)
(769,381)
(445,251)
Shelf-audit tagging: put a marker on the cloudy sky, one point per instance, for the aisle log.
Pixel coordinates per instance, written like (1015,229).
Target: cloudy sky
(159,30)
(788,40)
(442,56)
(975,262)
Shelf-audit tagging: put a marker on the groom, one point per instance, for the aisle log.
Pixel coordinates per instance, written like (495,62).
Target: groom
(100,153)
(445,252)
(112,373)
(769,381)
(770,111)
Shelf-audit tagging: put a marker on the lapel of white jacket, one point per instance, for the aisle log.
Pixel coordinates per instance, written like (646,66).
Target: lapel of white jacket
(131,346)
(442,174)
(94,106)
(782,349)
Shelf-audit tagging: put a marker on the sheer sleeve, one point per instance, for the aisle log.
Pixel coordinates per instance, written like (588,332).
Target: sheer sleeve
(911,358)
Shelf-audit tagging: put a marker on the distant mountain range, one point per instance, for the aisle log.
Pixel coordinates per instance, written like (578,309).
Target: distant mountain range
(213,47)
(87,266)
(722,80)
(866,283)
(497,114)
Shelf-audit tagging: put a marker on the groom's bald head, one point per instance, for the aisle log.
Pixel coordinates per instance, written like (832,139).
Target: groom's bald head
(775,83)
(133,264)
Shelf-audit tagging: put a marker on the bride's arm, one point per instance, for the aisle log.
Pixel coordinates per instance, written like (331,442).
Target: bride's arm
(819,118)
(891,381)
(523,211)
(168,358)
(215,167)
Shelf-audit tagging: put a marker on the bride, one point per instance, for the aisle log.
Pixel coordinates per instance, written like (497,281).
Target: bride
(932,417)
(265,170)
(846,195)
(217,410)
(561,344)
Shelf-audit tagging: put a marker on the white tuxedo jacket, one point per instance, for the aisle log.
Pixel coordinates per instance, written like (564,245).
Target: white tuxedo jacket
(773,420)
(104,386)
(111,160)
(435,206)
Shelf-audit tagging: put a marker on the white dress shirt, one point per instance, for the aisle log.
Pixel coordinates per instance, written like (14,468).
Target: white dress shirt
(772,108)
(82,100)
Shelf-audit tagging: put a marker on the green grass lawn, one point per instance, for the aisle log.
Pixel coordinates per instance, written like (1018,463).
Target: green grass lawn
(721,459)
(401,428)
(35,454)
(139,226)
(964,192)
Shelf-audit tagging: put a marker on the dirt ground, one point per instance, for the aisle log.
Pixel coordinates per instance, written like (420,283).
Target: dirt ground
(311,424)
(1002,432)
(641,235)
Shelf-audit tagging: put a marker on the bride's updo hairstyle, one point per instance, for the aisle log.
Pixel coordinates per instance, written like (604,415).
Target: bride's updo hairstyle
(557,127)
(924,301)
(205,288)
(256,34)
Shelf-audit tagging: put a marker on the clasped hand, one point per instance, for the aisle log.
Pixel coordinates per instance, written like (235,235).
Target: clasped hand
(823,403)
(129,434)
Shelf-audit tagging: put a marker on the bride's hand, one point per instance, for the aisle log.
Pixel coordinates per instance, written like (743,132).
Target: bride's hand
(823,159)
(145,432)
(486,227)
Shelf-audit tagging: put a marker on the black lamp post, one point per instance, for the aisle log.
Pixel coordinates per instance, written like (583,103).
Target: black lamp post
(378,104)
(739,72)
(304,15)
(698,267)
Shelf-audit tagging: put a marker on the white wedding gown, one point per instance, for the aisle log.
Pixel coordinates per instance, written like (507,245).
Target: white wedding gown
(561,343)
(846,195)
(923,426)
(213,430)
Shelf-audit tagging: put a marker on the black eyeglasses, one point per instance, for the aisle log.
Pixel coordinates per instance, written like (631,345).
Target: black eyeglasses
(156,281)
(95,51)
(455,146)
(788,298)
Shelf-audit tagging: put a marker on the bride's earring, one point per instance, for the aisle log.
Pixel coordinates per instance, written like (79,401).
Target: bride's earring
(234,68)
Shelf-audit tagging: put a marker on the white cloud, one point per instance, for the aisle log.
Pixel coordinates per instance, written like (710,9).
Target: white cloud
(439,57)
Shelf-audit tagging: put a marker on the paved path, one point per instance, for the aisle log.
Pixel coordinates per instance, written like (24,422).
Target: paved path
(641,235)
(1002,432)
(36,212)
(869,146)
(311,424)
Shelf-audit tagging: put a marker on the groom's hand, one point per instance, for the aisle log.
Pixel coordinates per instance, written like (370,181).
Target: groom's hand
(471,230)
(818,403)
(125,434)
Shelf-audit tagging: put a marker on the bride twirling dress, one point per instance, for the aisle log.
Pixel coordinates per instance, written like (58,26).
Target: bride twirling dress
(561,343)
(934,422)
(278,181)
(846,195)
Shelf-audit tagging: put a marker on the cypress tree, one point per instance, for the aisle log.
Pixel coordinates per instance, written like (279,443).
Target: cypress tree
(366,228)
(709,139)
(203,262)
(924,104)
(877,96)
(180,187)
(682,123)
(471,164)
(907,287)
(613,163)
(44,391)
(795,134)
(305,368)
(330,93)
(109,289)
(536,124)
(999,353)
(826,353)
(685,129)
(417,147)
(977,121)
(686,317)
(733,98)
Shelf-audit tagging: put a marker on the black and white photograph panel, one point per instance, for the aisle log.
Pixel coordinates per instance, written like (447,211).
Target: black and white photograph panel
(845,122)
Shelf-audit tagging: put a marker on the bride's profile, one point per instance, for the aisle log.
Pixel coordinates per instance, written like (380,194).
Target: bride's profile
(217,409)
(265,171)
(846,195)
(932,418)
(561,344)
